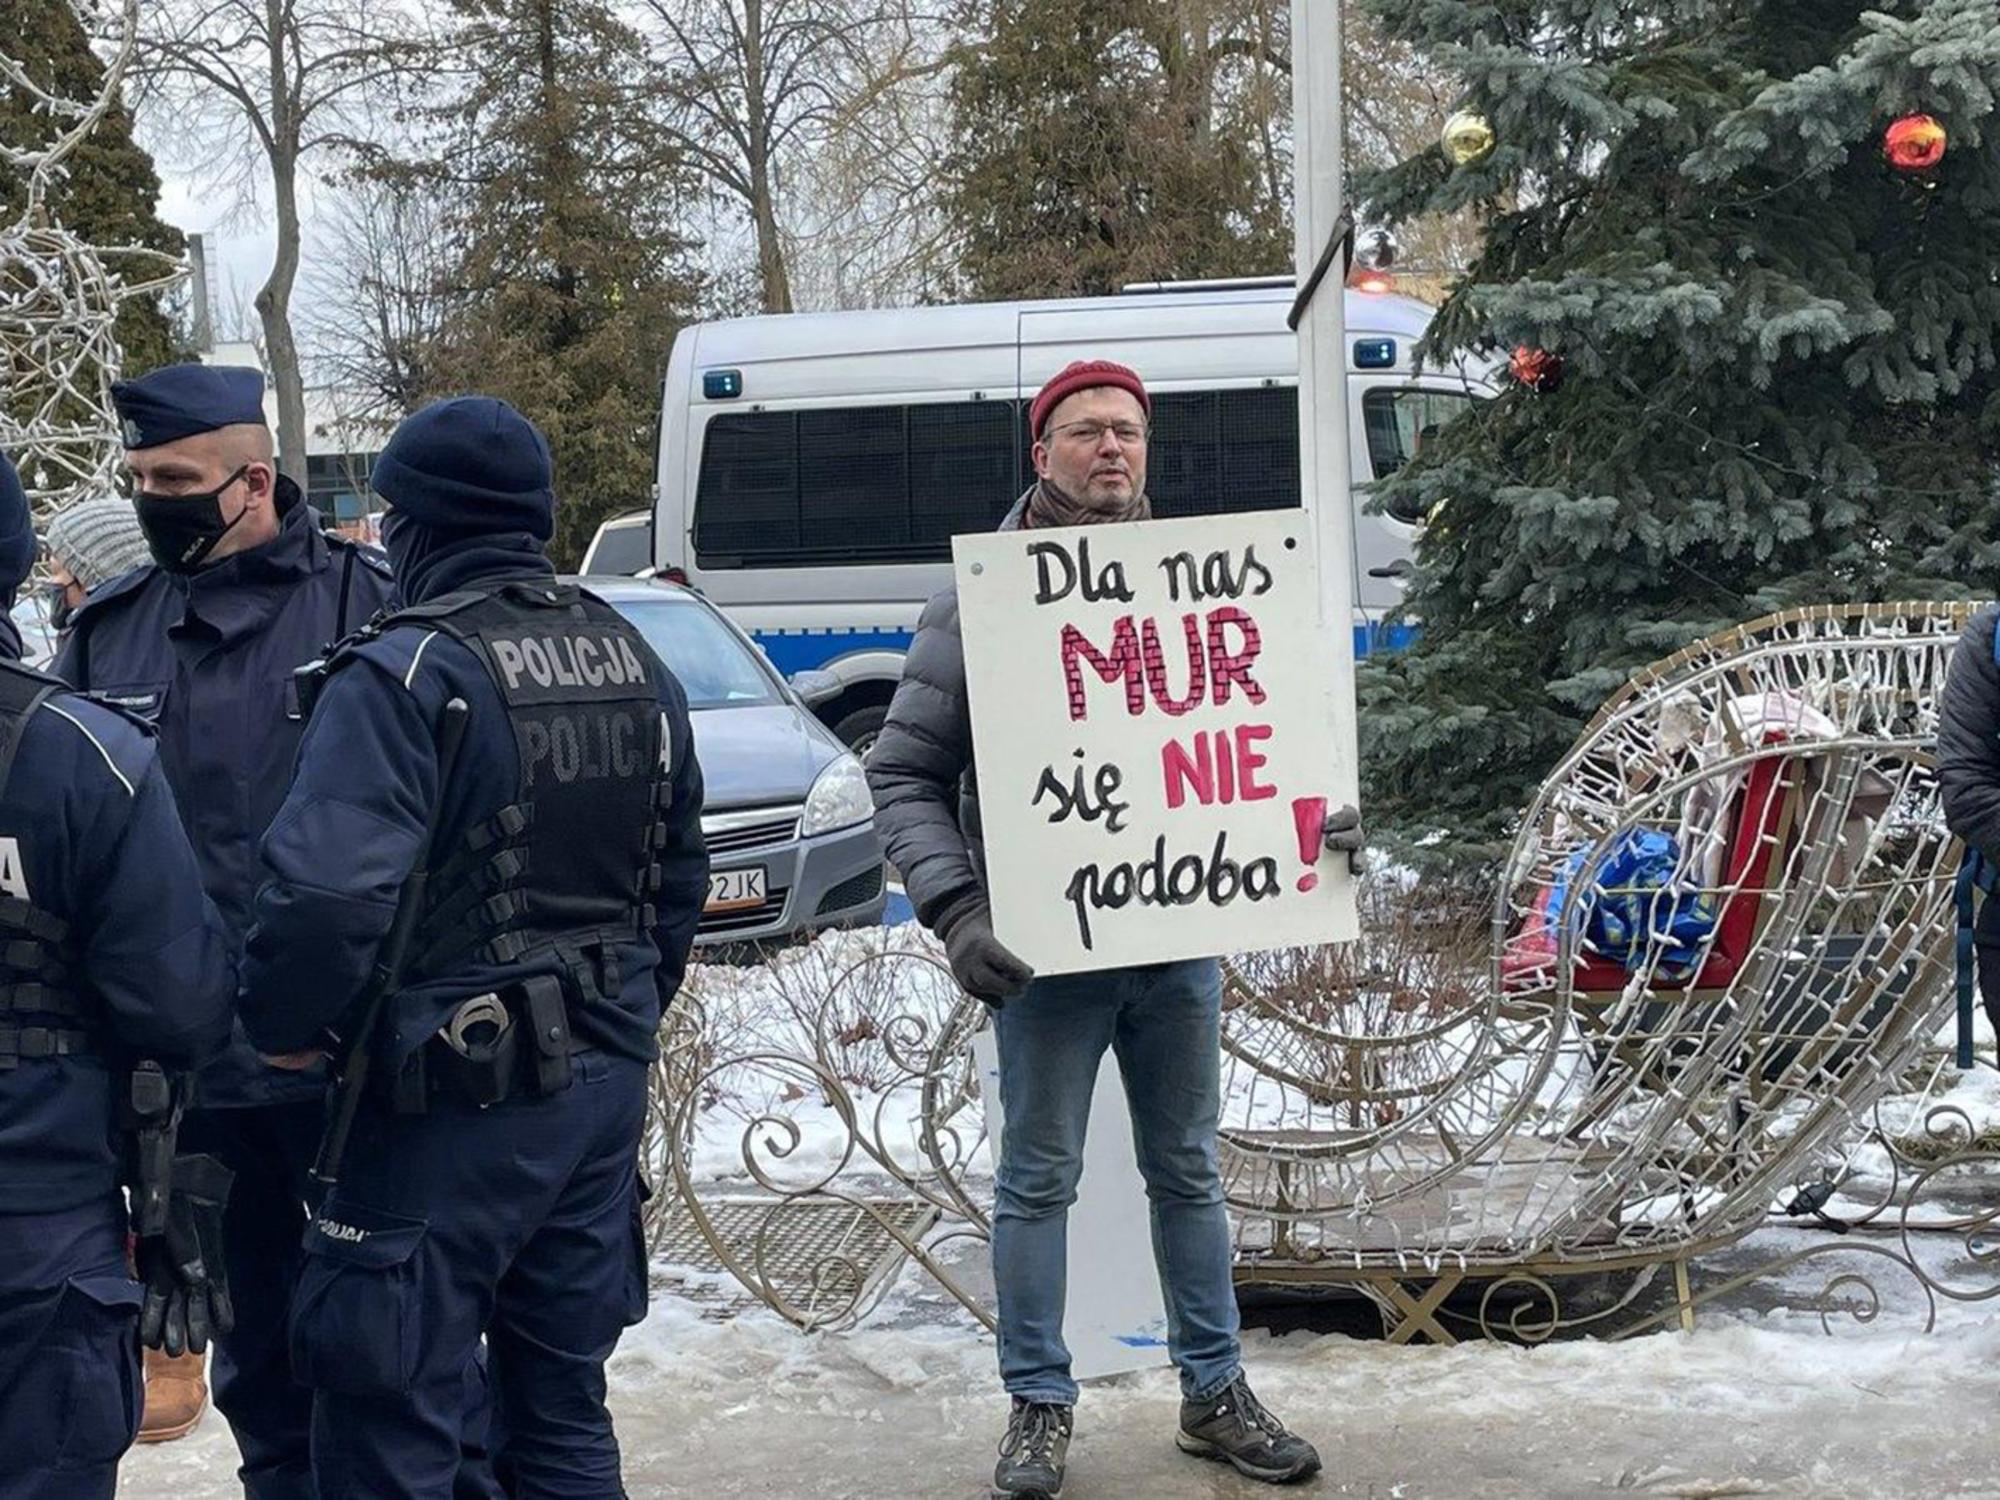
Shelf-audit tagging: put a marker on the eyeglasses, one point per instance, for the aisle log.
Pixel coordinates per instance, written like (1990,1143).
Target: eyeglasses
(1129,434)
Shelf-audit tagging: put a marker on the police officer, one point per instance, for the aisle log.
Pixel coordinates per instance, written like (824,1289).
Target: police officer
(111,954)
(491,1185)
(245,587)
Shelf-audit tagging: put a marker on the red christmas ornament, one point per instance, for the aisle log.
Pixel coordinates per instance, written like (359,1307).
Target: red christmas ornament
(1915,143)
(1537,369)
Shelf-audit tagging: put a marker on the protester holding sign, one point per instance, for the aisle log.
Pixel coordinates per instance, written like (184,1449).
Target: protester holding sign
(1161,1019)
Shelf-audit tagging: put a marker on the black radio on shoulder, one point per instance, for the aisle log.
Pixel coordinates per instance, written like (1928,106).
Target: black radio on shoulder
(307,683)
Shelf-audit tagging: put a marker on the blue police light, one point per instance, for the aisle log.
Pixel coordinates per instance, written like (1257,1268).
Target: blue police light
(1374,354)
(722,385)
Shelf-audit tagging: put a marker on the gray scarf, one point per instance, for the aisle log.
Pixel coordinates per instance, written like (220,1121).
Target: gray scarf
(1049,506)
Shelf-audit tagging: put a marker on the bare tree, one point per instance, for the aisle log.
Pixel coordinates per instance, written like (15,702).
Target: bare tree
(1395,105)
(863,225)
(252,90)
(1231,61)
(753,87)
(380,293)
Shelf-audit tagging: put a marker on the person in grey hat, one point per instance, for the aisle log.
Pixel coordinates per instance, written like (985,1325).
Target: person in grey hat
(89,544)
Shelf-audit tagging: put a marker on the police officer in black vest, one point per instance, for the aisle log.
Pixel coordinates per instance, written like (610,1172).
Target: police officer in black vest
(490,1184)
(110,956)
(245,588)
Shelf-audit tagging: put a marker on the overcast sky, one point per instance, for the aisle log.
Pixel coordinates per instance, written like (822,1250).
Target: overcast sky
(240,243)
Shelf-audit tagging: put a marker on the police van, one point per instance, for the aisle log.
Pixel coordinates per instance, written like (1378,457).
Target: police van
(813,467)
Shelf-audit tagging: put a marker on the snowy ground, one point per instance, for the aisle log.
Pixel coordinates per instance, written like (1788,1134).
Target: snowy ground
(1759,1400)
(1749,1404)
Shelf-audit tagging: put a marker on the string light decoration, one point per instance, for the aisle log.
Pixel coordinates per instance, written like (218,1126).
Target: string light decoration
(60,295)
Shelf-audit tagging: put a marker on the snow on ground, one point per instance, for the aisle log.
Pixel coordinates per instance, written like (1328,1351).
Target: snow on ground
(1758,1400)
(1749,1404)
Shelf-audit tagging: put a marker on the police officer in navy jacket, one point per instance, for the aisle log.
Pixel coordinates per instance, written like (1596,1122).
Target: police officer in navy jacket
(491,1186)
(245,587)
(109,954)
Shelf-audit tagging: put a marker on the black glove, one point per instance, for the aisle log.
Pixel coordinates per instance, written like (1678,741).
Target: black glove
(1342,833)
(980,963)
(187,1291)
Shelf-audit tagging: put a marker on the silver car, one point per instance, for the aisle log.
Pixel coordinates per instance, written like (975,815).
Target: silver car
(791,836)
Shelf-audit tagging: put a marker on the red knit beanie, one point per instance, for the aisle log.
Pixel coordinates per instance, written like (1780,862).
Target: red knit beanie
(1084,375)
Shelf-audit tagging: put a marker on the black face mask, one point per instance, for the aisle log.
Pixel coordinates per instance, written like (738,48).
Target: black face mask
(181,530)
(59,610)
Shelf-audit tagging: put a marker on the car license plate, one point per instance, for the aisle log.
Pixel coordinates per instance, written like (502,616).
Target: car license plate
(733,890)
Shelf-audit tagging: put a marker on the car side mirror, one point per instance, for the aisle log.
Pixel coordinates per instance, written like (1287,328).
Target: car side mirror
(816,687)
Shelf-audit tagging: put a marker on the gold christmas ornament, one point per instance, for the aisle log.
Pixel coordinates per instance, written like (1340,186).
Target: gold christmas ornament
(1468,139)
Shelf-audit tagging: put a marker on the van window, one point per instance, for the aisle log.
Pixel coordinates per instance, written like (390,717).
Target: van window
(1398,420)
(1224,451)
(857,484)
(852,483)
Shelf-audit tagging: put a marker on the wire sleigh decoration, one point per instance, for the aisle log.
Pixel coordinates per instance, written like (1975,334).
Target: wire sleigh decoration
(1723,939)
(61,294)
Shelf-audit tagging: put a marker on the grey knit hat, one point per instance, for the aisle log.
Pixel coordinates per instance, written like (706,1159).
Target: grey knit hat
(97,540)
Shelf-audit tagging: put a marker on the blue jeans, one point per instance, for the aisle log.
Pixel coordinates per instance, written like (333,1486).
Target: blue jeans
(1164,1023)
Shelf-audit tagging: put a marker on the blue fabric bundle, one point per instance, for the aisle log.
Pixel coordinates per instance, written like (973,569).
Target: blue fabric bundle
(1639,909)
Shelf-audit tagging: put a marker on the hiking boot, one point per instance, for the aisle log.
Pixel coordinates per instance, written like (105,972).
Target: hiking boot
(1232,1427)
(176,1392)
(1032,1452)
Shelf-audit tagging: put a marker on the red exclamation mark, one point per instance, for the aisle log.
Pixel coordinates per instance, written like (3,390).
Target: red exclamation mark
(1309,818)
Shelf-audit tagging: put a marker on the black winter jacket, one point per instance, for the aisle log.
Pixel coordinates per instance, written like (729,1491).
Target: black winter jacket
(1969,738)
(920,769)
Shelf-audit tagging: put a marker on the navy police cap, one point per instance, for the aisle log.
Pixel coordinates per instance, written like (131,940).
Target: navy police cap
(181,400)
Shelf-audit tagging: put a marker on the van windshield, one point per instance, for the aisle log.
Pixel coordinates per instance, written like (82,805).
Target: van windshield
(713,664)
(1399,421)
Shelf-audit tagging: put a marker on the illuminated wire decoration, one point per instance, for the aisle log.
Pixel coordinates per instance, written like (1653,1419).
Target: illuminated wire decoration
(60,295)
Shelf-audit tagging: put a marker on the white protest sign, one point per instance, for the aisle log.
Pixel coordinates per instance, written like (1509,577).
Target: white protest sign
(1154,719)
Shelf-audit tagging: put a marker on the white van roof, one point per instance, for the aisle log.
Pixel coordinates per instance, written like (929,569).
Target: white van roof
(909,330)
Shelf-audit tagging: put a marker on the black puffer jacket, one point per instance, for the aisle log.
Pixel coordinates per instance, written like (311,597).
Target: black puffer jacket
(1969,738)
(920,769)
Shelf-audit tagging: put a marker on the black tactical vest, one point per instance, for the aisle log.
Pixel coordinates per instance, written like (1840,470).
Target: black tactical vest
(43,1013)
(569,866)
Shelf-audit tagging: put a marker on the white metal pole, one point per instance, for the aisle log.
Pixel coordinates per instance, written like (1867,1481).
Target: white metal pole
(1317,192)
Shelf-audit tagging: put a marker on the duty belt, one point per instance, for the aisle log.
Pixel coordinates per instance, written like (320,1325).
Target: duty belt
(32,1042)
(493,1047)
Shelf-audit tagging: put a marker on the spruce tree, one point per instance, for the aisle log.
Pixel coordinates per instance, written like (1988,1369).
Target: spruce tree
(1778,359)
(571,275)
(109,190)
(1091,147)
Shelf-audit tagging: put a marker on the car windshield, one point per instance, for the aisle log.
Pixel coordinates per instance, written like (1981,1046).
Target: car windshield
(713,664)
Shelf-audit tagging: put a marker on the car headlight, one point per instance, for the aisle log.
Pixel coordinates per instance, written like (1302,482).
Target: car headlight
(838,799)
